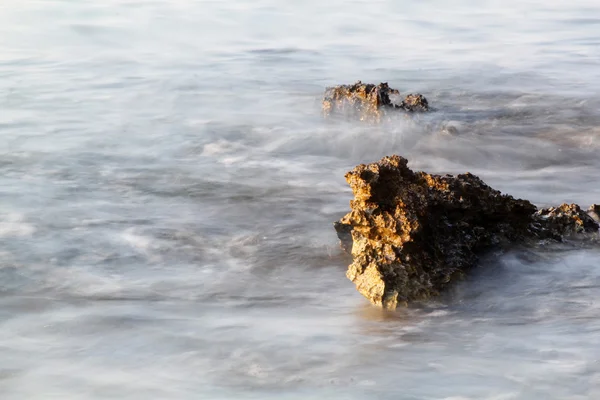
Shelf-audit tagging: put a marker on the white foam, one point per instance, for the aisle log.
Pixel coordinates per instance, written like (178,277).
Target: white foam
(438,313)
(135,240)
(220,147)
(13,225)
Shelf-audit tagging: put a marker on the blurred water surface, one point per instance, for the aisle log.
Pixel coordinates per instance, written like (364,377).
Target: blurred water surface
(167,188)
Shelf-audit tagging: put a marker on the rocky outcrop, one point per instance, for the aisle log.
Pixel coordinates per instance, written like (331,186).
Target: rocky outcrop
(413,233)
(367,101)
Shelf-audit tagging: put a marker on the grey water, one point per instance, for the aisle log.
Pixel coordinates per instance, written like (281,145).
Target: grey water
(168,187)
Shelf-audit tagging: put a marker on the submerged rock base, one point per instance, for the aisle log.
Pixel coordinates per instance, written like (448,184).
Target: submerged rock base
(412,233)
(368,101)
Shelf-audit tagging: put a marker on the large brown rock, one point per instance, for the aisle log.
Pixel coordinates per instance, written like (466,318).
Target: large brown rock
(367,101)
(412,233)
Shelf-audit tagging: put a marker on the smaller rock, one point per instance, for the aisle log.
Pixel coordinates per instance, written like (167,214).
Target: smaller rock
(565,220)
(414,102)
(368,101)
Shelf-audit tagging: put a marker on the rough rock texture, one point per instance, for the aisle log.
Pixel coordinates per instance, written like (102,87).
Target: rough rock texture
(414,102)
(368,101)
(411,233)
(564,220)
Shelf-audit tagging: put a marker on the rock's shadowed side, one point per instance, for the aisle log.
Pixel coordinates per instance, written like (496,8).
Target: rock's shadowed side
(411,233)
(368,101)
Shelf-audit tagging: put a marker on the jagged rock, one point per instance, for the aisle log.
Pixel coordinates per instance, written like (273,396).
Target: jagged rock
(414,102)
(565,220)
(412,233)
(368,101)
